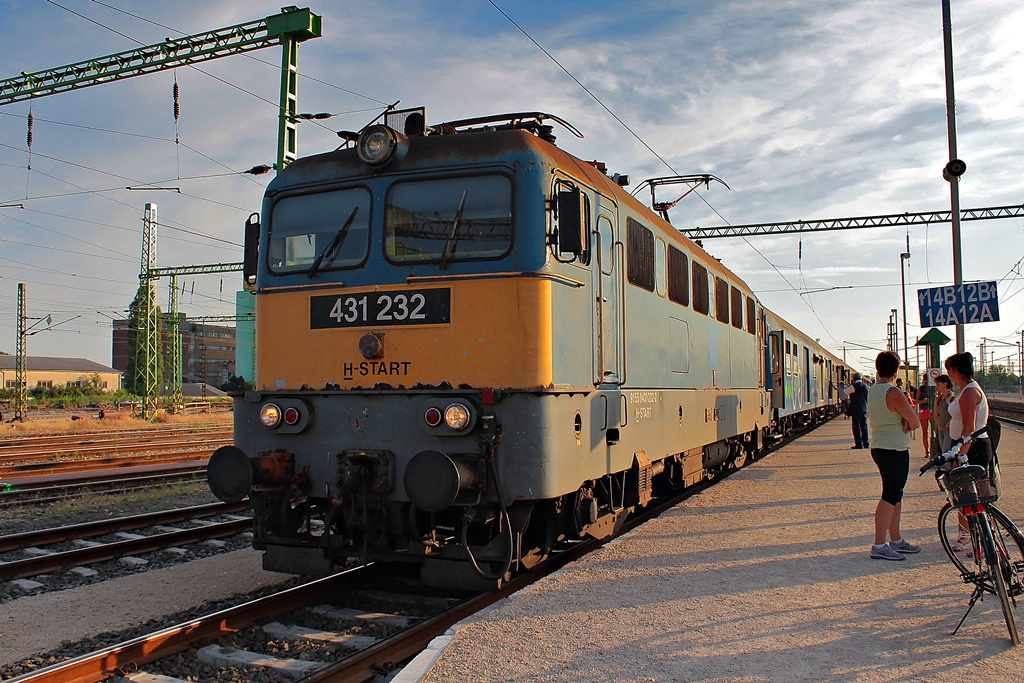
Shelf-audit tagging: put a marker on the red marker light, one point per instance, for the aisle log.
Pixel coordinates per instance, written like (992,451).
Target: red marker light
(432,417)
(291,416)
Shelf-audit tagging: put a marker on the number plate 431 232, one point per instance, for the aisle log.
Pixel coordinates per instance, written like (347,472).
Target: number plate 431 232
(376,309)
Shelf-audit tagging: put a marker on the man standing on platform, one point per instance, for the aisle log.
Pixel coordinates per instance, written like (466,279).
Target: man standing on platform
(858,394)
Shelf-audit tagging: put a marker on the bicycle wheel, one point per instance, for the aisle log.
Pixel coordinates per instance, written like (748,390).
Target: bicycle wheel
(950,529)
(1008,539)
(996,563)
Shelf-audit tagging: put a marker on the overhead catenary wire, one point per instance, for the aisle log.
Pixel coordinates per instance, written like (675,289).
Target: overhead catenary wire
(28,142)
(177,142)
(659,157)
(173,225)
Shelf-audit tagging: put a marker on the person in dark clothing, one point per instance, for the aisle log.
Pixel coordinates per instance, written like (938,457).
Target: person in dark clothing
(858,394)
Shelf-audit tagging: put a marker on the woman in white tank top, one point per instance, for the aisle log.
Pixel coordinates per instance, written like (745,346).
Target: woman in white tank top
(968,413)
(969,410)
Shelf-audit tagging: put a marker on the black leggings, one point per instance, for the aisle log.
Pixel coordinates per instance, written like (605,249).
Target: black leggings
(894,466)
(980,452)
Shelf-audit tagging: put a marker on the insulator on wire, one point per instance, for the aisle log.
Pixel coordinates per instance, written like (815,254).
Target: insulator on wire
(177,107)
(259,169)
(320,116)
(31,122)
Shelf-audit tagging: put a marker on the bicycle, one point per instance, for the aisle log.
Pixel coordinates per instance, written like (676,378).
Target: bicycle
(993,557)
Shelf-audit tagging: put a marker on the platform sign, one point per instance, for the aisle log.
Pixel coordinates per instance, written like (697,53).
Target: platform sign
(973,302)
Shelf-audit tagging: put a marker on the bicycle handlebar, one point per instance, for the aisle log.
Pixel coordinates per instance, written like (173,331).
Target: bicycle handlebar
(952,454)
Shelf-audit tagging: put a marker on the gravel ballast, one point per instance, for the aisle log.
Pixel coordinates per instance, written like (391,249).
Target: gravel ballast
(41,623)
(763,577)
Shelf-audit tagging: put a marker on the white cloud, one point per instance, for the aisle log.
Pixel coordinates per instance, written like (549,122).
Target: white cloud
(807,109)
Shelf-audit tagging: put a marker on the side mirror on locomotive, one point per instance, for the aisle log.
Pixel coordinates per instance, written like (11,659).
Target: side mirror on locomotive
(250,252)
(571,221)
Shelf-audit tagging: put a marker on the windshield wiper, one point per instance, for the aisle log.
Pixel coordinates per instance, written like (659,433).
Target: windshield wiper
(339,237)
(448,244)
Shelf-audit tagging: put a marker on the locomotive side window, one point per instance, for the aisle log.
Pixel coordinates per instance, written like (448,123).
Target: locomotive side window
(751,317)
(639,255)
(737,309)
(607,246)
(721,300)
(701,295)
(450,219)
(330,226)
(660,266)
(678,277)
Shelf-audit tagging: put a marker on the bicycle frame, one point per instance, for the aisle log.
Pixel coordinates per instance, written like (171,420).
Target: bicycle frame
(996,570)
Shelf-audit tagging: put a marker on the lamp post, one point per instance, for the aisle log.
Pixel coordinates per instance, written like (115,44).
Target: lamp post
(905,256)
(955,168)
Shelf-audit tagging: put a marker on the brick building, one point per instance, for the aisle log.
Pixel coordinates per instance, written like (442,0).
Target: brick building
(207,350)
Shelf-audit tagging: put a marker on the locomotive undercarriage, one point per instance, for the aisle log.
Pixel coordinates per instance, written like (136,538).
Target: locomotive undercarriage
(477,544)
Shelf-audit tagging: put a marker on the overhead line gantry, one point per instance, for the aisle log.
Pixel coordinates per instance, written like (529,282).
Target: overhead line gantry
(287,29)
(923,218)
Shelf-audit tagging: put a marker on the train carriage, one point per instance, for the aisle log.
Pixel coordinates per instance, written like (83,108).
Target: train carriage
(472,345)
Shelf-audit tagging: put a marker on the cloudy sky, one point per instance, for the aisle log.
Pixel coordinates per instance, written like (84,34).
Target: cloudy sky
(808,109)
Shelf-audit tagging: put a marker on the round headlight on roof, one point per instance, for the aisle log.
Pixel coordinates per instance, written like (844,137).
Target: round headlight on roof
(379,144)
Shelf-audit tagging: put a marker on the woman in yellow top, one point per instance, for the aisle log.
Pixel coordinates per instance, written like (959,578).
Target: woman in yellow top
(892,417)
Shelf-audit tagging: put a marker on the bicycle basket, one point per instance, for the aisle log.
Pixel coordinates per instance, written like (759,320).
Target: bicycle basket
(968,485)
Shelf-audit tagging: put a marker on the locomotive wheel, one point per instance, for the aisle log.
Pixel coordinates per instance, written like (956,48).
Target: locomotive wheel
(532,557)
(539,537)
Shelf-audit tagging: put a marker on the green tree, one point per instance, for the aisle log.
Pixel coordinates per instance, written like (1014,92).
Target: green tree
(236,385)
(997,377)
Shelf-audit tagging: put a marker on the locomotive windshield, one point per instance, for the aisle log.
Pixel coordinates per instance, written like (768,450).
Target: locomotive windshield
(305,228)
(452,219)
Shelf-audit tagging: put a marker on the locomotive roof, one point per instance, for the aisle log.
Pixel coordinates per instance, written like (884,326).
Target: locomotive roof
(474,146)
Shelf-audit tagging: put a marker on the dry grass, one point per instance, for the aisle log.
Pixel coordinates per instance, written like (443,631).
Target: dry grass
(25,518)
(112,422)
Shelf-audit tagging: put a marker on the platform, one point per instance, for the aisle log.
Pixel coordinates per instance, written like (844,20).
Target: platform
(763,577)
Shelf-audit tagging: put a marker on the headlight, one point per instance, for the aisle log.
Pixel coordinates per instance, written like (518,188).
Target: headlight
(456,416)
(270,415)
(377,145)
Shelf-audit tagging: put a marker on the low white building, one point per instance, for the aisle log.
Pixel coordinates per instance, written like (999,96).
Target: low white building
(48,371)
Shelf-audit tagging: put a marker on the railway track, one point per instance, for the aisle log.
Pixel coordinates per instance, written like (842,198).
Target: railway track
(45,469)
(50,489)
(258,634)
(49,550)
(114,441)
(1007,410)
(13,471)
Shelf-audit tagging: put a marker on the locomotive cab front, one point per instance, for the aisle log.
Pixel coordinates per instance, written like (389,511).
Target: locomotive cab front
(404,324)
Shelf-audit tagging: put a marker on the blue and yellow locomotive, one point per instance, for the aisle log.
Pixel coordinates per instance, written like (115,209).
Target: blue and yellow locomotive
(472,345)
